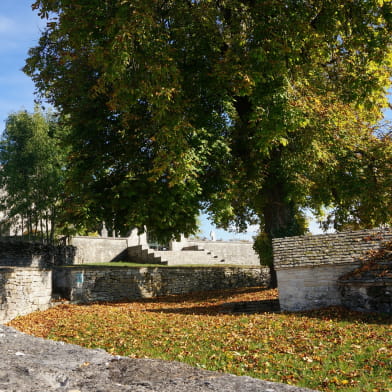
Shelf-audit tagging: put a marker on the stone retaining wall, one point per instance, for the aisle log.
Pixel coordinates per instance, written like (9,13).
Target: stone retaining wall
(308,267)
(88,284)
(23,290)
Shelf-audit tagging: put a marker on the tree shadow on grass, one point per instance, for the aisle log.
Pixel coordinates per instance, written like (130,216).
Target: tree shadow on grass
(217,295)
(213,302)
(335,314)
(200,296)
(223,302)
(341,313)
(233,308)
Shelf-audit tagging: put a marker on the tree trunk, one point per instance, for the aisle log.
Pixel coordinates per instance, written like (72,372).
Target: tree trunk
(30,225)
(47,227)
(279,216)
(52,224)
(277,212)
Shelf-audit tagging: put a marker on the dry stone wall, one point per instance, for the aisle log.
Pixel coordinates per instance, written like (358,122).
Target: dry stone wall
(88,284)
(367,297)
(308,267)
(18,253)
(23,290)
(24,254)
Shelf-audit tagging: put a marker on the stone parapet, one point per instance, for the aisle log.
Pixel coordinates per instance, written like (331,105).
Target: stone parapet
(99,250)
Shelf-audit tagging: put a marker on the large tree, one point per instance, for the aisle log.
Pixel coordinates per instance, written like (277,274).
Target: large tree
(250,109)
(32,176)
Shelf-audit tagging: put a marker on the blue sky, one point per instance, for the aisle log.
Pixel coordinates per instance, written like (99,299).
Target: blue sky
(19,30)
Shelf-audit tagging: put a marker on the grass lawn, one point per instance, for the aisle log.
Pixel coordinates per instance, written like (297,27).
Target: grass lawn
(330,350)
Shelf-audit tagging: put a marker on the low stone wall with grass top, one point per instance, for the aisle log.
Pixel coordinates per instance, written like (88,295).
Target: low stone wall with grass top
(23,290)
(100,283)
(309,267)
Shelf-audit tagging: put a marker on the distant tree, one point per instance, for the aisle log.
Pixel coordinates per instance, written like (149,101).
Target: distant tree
(32,172)
(252,110)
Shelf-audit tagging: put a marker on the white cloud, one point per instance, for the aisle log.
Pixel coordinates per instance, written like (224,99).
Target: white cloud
(7,25)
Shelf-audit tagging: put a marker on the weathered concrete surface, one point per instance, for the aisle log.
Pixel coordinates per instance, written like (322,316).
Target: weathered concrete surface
(99,250)
(29,364)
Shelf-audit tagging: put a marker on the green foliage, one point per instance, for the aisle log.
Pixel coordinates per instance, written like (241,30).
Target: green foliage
(32,172)
(250,110)
(263,247)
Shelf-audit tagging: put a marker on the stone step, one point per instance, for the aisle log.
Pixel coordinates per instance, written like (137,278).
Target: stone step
(143,255)
(58,299)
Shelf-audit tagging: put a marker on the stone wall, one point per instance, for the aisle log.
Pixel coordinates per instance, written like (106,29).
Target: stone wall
(308,267)
(230,252)
(367,296)
(369,287)
(87,284)
(18,253)
(24,254)
(23,290)
(99,249)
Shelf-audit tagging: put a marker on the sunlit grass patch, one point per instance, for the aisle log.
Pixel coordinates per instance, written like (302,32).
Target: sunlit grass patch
(330,350)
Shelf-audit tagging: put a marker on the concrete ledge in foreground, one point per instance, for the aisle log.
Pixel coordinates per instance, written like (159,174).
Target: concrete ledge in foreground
(29,364)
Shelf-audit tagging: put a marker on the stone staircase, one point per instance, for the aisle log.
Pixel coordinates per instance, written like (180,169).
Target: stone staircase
(187,256)
(143,255)
(208,252)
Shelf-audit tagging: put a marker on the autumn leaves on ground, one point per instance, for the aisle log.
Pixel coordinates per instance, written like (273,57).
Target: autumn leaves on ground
(328,350)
